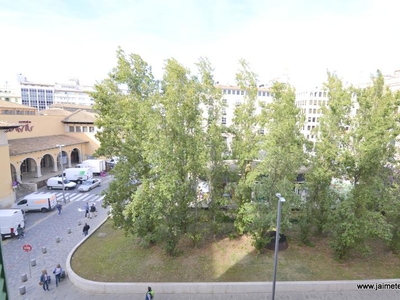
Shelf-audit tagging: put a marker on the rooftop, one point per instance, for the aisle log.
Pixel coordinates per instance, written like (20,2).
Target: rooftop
(30,145)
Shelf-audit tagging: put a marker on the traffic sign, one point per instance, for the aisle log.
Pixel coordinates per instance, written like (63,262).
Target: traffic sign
(27,247)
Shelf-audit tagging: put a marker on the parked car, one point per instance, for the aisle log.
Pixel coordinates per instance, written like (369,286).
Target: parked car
(89,184)
(56,183)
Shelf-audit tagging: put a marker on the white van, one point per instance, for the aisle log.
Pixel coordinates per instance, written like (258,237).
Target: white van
(38,202)
(56,183)
(9,221)
(78,175)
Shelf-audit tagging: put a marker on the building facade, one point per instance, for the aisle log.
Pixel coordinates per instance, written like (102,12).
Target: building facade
(311,103)
(73,93)
(30,145)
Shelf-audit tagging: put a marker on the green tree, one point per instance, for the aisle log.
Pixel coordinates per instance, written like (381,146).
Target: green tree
(175,148)
(276,173)
(123,101)
(360,149)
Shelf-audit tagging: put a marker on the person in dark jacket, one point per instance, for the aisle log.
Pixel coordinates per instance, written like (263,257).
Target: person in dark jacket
(44,280)
(86,229)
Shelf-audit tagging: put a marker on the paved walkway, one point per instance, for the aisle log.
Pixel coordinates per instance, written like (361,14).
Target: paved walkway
(42,232)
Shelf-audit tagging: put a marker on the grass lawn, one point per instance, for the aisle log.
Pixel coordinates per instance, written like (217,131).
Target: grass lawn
(108,255)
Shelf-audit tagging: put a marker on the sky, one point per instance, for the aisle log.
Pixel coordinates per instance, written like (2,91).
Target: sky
(289,40)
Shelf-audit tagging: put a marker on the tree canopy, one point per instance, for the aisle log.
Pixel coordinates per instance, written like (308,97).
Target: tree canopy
(169,136)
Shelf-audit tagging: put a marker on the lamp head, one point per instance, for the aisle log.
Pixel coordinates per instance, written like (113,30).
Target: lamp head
(281,199)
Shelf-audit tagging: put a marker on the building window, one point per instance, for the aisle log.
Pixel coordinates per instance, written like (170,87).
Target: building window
(242,92)
(308,127)
(84,128)
(237,103)
(223,121)
(229,92)
(237,92)
(224,101)
(310,102)
(315,102)
(261,131)
(314,110)
(224,112)
(71,128)
(309,119)
(313,119)
(78,129)
(310,110)
(91,129)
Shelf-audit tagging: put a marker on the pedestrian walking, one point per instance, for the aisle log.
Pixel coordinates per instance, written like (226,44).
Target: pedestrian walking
(86,229)
(149,294)
(44,280)
(92,211)
(86,210)
(57,273)
(59,208)
(20,231)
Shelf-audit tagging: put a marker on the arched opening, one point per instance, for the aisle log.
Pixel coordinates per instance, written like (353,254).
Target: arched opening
(75,156)
(13,170)
(47,164)
(28,169)
(64,160)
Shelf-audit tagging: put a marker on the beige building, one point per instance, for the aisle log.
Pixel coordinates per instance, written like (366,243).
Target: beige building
(30,145)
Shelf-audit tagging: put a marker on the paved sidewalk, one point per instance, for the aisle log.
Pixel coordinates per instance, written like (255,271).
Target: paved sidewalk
(43,233)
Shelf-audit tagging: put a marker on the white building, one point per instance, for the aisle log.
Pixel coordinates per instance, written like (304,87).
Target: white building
(73,93)
(233,96)
(311,103)
(10,93)
(35,94)
(42,95)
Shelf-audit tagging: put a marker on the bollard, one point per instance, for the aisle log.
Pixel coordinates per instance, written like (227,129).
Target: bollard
(68,230)
(79,223)
(22,290)
(24,277)
(44,250)
(57,239)
(33,262)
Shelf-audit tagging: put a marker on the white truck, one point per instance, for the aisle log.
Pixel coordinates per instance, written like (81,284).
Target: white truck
(78,175)
(96,165)
(9,221)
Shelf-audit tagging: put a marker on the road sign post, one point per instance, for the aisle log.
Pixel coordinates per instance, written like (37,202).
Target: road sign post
(28,248)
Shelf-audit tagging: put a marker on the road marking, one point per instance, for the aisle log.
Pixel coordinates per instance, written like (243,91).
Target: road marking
(76,197)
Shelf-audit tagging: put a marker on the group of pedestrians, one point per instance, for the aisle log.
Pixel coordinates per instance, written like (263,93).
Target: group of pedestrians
(45,279)
(90,211)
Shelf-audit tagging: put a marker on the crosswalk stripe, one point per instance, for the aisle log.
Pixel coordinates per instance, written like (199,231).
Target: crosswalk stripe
(76,196)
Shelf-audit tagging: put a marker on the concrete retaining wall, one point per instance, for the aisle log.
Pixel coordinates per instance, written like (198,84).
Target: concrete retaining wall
(211,287)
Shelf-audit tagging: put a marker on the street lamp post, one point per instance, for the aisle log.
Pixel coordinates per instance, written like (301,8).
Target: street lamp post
(278,225)
(62,172)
